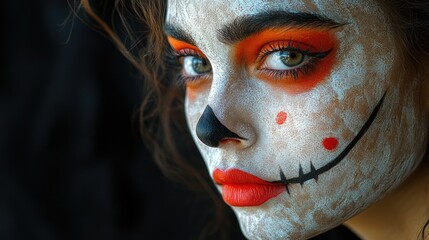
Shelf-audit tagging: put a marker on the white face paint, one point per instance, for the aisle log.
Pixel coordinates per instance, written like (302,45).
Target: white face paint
(322,131)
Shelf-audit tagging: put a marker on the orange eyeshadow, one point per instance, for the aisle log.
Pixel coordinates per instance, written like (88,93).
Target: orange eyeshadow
(248,51)
(180,45)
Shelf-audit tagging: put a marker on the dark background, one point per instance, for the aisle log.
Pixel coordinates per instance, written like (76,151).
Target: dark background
(72,163)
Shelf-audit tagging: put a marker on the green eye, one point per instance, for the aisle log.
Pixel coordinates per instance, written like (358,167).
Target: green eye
(291,58)
(194,66)
(201,65)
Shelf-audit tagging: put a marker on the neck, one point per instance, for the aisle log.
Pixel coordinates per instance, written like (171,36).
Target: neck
(402,214)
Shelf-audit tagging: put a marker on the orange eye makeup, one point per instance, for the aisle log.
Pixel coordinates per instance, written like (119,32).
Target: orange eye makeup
(312,52)
(180,45)
(196,82)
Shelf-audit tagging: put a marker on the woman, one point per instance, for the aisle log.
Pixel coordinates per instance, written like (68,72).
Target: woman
(308,114)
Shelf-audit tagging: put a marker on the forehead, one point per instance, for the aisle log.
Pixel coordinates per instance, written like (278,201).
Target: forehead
(202,20)
(204,17)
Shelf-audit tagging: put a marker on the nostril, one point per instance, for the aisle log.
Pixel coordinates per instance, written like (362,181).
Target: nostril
(211,131)
(229,140)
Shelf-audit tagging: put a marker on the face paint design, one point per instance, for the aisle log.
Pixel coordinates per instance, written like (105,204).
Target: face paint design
(289,64)
(281,118)
(300,109)
(330,143)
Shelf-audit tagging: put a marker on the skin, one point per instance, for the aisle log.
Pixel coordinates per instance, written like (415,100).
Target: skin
(367,64)
(402,214)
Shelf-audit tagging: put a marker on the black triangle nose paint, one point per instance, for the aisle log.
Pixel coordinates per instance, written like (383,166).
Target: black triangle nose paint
(211,131)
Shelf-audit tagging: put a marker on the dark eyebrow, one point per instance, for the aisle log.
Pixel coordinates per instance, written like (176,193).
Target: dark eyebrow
(178,33)
(245,26)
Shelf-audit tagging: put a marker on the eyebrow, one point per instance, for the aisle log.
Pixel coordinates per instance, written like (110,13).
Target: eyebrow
(178,33)
(245,26)
(248,25)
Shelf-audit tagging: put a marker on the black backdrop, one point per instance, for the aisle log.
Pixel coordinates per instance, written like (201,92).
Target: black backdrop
(72,164)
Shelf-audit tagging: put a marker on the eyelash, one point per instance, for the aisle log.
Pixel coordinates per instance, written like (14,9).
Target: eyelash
(173,61)
(277,75)
(314,58)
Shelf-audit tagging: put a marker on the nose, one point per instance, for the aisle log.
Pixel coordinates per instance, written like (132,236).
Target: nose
(212,132)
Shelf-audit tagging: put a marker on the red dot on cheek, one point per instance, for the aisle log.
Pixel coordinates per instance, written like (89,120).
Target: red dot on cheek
(281,118)
(330,143)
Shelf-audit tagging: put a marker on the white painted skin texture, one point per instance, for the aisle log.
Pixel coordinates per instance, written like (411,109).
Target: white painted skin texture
(367,64)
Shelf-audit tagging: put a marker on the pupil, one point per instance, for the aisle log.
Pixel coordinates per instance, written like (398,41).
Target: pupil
(291,58)
(197,64)
(200,65)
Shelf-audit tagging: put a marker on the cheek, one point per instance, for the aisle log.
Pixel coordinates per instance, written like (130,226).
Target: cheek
(328,143)
(194,107)
(307,125)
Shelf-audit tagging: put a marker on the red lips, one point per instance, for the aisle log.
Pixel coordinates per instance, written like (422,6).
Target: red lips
(243,189)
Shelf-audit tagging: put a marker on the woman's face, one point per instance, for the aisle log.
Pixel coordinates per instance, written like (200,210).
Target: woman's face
(302,110)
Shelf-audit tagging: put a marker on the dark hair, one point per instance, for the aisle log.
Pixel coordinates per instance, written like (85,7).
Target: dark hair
(142,41)
(146,46)
(410,21)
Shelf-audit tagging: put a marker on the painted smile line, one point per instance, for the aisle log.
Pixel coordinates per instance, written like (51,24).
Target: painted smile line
(314,173)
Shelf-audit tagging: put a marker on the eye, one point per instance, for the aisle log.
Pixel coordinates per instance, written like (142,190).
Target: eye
(284,60)
(195,66)
(192,68)
(295,60)
(288,60)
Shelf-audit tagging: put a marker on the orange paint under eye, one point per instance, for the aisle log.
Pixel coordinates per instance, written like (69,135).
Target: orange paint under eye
(248,53)
(193,88)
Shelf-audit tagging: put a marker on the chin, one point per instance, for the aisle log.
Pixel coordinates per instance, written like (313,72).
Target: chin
(278,222)
(308,210)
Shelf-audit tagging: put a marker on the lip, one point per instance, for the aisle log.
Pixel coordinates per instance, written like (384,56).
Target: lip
(242,189)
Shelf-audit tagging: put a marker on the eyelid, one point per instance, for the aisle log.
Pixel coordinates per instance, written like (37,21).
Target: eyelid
(319,40)
(178,45)
(185,52)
